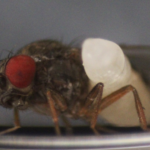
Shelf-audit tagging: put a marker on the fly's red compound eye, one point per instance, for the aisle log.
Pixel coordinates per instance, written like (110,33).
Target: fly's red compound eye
(20,70)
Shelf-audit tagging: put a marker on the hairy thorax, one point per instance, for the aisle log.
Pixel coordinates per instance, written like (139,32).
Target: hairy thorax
(58,68)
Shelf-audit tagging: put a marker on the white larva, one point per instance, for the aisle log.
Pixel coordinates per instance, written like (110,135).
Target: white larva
(104,61)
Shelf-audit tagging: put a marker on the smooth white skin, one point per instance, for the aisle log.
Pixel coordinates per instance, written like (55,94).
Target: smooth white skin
(102,59)
(105,62)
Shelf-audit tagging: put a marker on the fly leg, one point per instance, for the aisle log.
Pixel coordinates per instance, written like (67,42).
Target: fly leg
(92,105)
(53,112)
(55,100)
(107,101)
(67,125)
(16,123)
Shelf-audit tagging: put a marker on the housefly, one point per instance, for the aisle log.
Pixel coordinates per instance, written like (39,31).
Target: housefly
(48,77)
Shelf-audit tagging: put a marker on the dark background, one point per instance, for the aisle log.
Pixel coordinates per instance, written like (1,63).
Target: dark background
(24,21)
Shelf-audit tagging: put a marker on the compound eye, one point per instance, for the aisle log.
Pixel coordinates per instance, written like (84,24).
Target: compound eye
(20,70)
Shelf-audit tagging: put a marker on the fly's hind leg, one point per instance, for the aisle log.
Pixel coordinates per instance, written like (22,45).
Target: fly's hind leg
(94,104)
(107,101)
(16,123)
(91,106)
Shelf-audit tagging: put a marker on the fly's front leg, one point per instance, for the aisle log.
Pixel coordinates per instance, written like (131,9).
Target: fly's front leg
(107,101)
(92,105)
(16,123)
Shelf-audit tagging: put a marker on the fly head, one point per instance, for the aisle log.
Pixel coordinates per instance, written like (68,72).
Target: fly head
(16,80)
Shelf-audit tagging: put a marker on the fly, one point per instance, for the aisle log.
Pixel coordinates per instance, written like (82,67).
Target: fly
(48,77)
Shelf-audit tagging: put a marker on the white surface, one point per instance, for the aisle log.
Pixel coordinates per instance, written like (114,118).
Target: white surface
(102,59)
(105,62)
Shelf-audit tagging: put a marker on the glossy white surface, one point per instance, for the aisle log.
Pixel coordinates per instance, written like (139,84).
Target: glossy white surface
(104,61)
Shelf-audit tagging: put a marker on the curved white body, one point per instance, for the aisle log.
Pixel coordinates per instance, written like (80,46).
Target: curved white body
(105,62)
